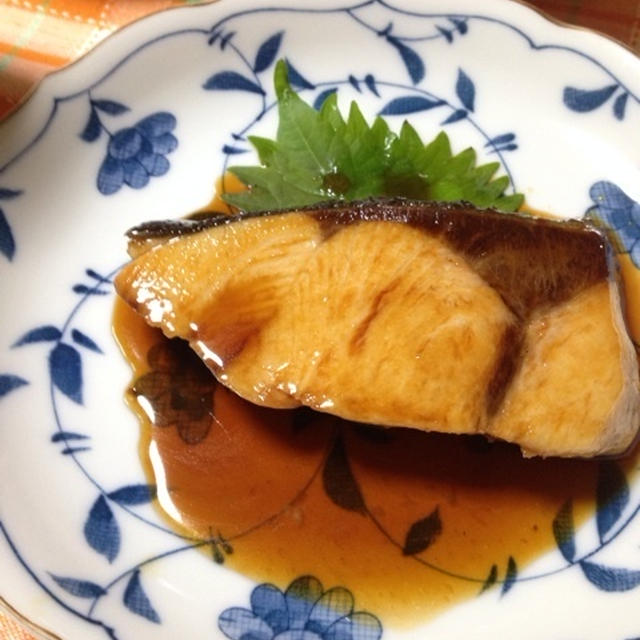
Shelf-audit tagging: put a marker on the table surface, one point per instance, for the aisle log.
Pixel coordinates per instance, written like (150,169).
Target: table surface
(37,37)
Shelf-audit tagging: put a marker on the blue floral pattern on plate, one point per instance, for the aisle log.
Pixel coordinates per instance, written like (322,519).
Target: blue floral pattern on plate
(303,612)
(614,210)
(240,49)
(135,154)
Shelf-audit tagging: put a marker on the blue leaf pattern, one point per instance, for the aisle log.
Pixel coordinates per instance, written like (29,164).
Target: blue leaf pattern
(93,128)
(322,96)
(466,90)
(65,368)
(446,33)
(581,100)
(8,383)
(370,81)
(232,151)
(67,451)
(133,494)
(80,588)
(232,81)
(503,138)
(64,436)
(506,147)
(101,530)
(458,114)
(409,104)
(111,107)
(46,333)
(620,105)
(460,24)
(412,61)
(510,577)
(7,242)
(82,289)
(564,532)
(609,579)
(136,600)
(9,194)
(267,52)
(296,79)
(226,39)
(84,341)
(612,496)
(491,579)
(353,81)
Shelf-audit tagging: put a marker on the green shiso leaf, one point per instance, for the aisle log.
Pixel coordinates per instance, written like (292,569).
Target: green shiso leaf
(318,155)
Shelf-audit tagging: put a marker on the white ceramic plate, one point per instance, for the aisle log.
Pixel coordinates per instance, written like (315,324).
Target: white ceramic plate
(83,553)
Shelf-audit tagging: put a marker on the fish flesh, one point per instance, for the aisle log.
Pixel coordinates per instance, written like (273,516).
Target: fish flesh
(439,317)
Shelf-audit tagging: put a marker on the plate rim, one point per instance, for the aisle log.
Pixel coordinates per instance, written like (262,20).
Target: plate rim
(54,78)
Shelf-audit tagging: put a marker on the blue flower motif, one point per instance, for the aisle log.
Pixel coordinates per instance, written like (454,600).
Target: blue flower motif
(303,612)
(137,153)
(620,215)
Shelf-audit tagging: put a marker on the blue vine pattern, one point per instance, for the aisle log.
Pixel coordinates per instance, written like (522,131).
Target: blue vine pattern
(576,99)
(101,529)
(415,100)
(103,534)
(7,241)
(137,153)
(585,100)
(64,358)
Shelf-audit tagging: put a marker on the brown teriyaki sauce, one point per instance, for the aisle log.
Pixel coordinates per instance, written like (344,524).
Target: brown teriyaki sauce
(411,522)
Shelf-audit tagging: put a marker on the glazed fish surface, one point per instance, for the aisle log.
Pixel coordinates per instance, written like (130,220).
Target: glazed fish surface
(399,313)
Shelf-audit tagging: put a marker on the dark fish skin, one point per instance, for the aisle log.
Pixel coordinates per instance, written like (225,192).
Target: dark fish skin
(343,213)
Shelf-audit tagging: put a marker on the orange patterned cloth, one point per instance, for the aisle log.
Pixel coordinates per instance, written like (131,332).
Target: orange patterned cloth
(10,630)
(38,36)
